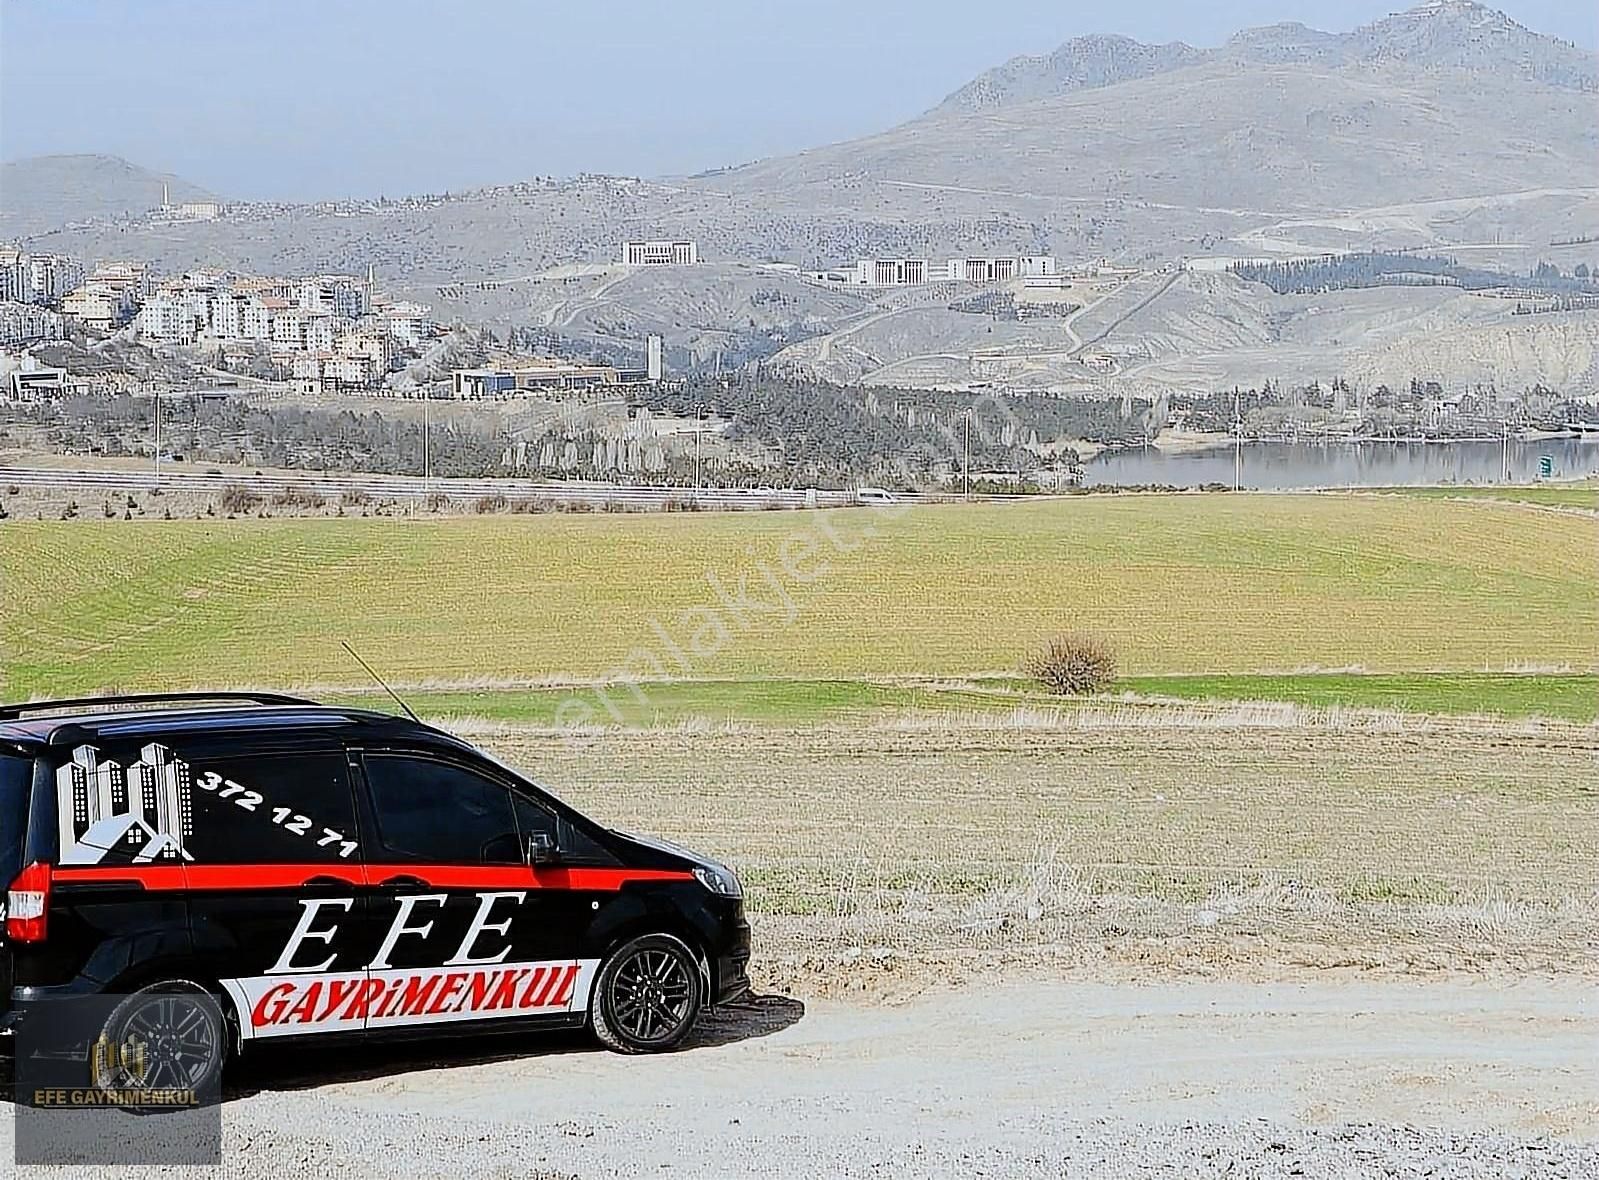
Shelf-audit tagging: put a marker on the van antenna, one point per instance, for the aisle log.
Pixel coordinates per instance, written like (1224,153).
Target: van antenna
(381,681)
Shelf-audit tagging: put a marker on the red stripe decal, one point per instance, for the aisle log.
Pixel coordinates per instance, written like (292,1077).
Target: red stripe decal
(292,876)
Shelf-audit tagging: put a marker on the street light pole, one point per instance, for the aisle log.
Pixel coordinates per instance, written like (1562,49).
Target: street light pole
(427,460)
(966,462)
(699,411)
(157,393)
(1238,445)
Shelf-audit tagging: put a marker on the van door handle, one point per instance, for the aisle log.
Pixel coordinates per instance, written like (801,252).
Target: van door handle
(397,883)
(325,882)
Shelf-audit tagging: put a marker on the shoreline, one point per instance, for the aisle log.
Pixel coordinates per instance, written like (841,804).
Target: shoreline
(1190,442)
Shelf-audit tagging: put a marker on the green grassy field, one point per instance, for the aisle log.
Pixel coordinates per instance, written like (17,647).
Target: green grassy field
(1565,696)
(1231,585)
(1565,495)
(1568,696)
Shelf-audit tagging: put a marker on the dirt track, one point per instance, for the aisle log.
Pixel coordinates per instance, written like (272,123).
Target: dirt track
(1031,1077)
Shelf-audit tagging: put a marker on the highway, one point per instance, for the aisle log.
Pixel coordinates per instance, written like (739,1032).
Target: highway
(410,487)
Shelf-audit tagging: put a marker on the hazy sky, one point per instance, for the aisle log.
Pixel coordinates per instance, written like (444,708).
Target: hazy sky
(293,99)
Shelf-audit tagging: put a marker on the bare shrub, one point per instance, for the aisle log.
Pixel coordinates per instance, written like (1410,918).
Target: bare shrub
(495,502)
(1074,664)
(238,499)
(295,496)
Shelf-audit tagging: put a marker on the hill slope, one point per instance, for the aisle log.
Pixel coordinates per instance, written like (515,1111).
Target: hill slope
(45,192)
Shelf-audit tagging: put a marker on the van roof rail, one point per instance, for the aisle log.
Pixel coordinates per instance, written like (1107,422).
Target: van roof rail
(27,708)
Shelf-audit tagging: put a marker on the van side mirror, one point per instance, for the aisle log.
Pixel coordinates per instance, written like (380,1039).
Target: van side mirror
(541,849)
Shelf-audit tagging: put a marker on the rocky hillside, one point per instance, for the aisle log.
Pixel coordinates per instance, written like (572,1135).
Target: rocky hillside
(46,192)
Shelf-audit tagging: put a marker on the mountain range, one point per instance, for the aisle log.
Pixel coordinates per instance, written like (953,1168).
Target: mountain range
(1442,34)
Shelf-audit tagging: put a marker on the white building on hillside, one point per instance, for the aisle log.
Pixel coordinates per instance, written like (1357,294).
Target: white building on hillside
(910,272)
(1001,270)
(661,252)
(891,272)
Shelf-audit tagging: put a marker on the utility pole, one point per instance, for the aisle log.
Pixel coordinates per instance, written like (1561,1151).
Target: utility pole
(1238,445)
(966,463)
(427,459)
(157,391)
(699,412)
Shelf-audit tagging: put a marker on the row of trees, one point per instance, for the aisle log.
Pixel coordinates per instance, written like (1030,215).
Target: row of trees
(1420,406)
(1381,268)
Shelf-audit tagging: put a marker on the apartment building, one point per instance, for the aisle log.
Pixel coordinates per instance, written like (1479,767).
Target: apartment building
(321,371)
(38,278)
(407,323)
(321,333)
(335,295)
(23,323)
(12,276)
(136,278)
(163,317)
(102,306)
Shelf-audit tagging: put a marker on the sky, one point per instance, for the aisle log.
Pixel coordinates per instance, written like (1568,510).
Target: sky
(297,100)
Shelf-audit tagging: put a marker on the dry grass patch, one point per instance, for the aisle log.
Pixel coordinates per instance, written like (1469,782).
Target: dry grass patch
(1413,837)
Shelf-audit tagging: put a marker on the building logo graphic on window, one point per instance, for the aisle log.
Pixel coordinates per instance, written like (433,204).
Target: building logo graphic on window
(138,814)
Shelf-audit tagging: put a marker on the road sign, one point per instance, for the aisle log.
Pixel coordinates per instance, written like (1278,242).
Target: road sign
(1546,466)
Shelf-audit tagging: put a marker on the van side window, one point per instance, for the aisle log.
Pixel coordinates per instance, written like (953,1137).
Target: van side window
(438,813)
(155,804)
(530,818)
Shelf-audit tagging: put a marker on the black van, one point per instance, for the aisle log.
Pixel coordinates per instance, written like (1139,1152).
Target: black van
(330,872)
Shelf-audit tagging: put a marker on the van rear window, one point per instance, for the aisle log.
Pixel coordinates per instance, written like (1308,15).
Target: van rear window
(16,784)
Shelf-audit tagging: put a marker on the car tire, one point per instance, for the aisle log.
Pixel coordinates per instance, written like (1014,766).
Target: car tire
(648,995)
(184,1031)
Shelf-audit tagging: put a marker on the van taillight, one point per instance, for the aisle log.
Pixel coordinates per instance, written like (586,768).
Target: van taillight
(28,904)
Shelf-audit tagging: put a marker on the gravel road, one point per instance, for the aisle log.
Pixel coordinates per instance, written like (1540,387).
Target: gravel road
(1015,1078)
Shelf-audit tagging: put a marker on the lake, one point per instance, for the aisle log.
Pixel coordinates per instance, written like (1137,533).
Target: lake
(1270,465)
